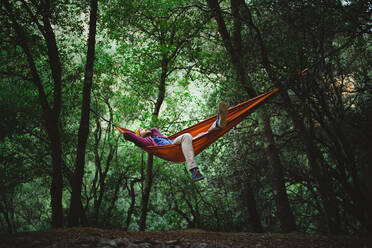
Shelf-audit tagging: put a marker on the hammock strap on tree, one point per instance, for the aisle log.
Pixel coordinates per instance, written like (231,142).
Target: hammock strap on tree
(235,115)
(103,118)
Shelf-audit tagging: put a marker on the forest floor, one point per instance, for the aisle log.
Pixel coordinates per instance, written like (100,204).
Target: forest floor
(100,238)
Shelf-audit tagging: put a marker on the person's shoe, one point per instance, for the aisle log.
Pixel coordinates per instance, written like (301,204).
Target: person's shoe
(222,115)
(196,175)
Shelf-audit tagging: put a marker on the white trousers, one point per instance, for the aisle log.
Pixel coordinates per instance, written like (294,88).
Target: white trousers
(186,144)
(188,151)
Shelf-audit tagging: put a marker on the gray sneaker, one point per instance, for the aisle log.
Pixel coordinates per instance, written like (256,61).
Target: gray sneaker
(196,175)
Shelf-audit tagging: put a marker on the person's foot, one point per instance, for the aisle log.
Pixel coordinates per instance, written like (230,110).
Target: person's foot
(222,115)
(196,175)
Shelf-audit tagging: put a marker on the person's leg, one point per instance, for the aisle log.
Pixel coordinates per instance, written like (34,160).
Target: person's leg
(221,117)
(188,151)
(220,121)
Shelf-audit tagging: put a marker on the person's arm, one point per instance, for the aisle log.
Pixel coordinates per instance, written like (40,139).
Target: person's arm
(139,141)
(156,132)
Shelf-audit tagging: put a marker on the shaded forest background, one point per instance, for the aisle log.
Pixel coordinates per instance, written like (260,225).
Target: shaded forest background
(301,162)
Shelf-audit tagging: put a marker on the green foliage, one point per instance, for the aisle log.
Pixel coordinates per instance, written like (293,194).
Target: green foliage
(134,40)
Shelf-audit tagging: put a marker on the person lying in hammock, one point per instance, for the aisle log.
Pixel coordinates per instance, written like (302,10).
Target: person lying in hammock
(153,137)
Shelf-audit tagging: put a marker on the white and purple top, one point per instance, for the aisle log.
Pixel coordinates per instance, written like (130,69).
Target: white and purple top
(156,138)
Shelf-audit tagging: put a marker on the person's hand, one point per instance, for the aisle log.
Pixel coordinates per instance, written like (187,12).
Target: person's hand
(145,133)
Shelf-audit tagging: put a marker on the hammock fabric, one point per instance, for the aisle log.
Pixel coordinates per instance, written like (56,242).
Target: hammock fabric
(235,115)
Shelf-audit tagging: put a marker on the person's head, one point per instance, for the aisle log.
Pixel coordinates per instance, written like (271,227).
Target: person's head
(143,132)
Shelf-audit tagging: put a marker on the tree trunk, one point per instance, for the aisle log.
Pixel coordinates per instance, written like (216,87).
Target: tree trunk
(146,195)
(316,160)
(57,181)
(284,211)
(97,161)
(103,174)
(51,115)
(102,180)
(250,203)
(345,156)
(132,203)
(114,199)
(148,179)
(75,205)
(176,208)
(196,212)
(5,212)
(234,48)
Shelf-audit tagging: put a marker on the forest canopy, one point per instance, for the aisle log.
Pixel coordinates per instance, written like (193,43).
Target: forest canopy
(301,162)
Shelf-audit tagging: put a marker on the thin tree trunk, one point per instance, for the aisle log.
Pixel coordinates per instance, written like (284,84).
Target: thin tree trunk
(97,160)
(196,212)
(146,193)
(102,181)
(57,181)
(132,203)
(150,160)
(114,199)
(177,209)
(4,211)
(103,174)
(75,205)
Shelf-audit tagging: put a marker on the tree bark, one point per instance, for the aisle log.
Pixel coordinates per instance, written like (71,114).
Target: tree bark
(344,154)
(103,175)
(55,64)
(57,181)
(114,199)
(75,209)
(284,211)
(316,160)
(250,203)
(173,205)
(97,161)
(150,160)
(146,193)
(5,212)
(132,203)
(234,49)
(50,114)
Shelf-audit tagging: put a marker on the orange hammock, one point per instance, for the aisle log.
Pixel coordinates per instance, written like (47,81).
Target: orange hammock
(235,115)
